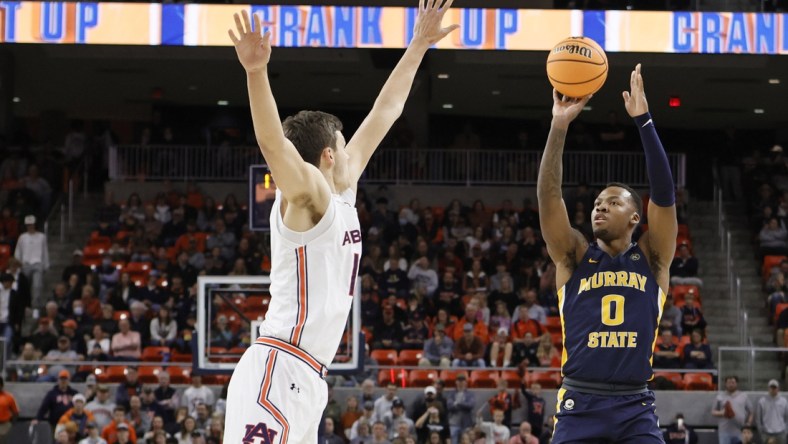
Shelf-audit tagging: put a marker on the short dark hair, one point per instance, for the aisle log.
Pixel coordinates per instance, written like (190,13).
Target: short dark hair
(735,378)
(311,132)
(636,200)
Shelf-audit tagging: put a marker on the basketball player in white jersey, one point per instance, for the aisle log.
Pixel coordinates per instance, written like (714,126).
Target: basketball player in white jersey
(277,393)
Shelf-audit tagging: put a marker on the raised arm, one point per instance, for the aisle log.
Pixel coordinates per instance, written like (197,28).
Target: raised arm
(390,102)
(659,242)
(564,244)
(298,180)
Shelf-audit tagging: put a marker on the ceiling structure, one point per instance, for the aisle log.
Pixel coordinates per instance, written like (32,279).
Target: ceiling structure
(117,82)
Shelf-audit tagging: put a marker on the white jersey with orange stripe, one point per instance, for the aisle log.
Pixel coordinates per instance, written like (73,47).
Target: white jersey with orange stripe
(313,278)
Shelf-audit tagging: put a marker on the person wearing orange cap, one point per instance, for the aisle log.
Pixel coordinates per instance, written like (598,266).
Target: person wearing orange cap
(70,330)
(57,401)
(9,411)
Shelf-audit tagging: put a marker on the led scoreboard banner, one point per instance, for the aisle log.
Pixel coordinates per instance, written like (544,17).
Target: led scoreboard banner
(391,27)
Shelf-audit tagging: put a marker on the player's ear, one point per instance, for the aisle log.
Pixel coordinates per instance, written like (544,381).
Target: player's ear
(635,218)
(327,156)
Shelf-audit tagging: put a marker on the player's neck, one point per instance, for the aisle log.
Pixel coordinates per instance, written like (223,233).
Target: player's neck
(332,184)
(615,246)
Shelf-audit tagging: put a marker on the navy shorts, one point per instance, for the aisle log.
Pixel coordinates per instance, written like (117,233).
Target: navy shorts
(584,418)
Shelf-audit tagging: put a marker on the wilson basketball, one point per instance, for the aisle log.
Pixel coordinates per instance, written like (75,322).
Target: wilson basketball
(577,67)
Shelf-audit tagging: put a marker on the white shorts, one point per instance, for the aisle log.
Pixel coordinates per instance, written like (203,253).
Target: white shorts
(276,396)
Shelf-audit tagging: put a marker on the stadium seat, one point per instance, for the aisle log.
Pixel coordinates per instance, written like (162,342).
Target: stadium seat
(257,302)
(422,378)
(676,378)
(5,255)
(180,375)
(91,256)
(548,380)
(698,381)
(680,291)
(99,241)
(768,263)
(257,313)
(138,272)
(483,378)
(558,340)
(154,354)
(120,314)
(215,379)
(512,378)
(391,375)
(114,374)
(449,377)
(384,356)
(409,357)
(177,356)
(95,369)
(149,374)
(553,324)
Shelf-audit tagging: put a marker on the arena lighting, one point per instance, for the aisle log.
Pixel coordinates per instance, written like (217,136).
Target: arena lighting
(495,92)
(17,100)
(674,102)
(448,106)
(335,90)
(443,76)
(774,81)
(758,111)
(222,103)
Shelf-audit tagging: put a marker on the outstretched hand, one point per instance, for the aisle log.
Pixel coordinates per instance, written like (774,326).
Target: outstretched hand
(635,101)
(253,47)
(566,109)
(428,21)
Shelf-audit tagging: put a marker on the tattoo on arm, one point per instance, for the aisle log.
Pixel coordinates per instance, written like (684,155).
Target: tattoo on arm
(551,167)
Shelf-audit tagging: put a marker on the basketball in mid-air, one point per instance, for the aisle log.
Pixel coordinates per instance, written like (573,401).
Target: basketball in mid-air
(577,67)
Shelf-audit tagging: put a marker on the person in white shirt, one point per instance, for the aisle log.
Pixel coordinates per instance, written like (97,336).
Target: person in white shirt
(32,251)
(495,432)
(197,394)
(535,311)
(93,435)
(101,406)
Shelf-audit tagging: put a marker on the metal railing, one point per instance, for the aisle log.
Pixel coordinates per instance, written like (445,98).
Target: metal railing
(747,379)
(393,166)
(61,214)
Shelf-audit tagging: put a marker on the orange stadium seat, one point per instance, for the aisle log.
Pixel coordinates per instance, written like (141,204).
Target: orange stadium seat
(114,374)
(180,375)
(449,377)
(409,357)
(388,376)
(120,314)
(553,324)
(100,241)
(779,309)
(177,356)
(698,381)
(5,255)
(483,378)
(770,262)
(138,271)
(512,378)
(384,356)
(215,379)
(422,378)
(149,374)
(548,380)
(675,378)
(257,302)
(154,354)
(95,369)
(680,291)
(91,256)
(684,231)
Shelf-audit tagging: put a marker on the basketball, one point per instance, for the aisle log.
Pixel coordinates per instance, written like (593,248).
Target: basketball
(577,67)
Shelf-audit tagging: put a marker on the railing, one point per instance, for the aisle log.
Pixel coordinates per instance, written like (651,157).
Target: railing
(746,373)
(61,214)
(393,166)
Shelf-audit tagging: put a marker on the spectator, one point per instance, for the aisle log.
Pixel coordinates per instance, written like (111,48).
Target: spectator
(363,421)
(431,398)
(156,429)
(535,405)
(525,351)
(504,292)
(495,432)
(76,341)
(680,433)
(422,276)
(524,323)
(499,351)
(57,401)
(12,310)
(124,294)
(223,239)
(395,416)
(101,407)
(691,315)
(500,317)
(748,437)
(149,406)
(92,304)
(379,435)
(126,344)
(469,349)
(119,431)
(547,353)
(44,339)
(666,354)
(167,397)
(63,353)
(447,296)
(671,316)
(416,333)
(40,188)
(328,436)
(528,298)
(93,436)
(684,269)
(777,295)
(222,336)
(697,355)
(504,401)
(734,410)
(109,276)
(129,388)
(9,227)
(524,436)
(78,415)
(430,422)
(151,295)
(394,281)
(388,333)
(202,419)
(8,411)
(773,238)
(107,320)
(770,414)
(471,317)
(383,403)
(460,404)
(196,394)
(438,349)
(98,348)
(26,372)
(163,329)
(33,253)
(475,279)
(351,414)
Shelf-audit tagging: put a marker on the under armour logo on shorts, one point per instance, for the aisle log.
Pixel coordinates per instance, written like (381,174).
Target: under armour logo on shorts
(569,404)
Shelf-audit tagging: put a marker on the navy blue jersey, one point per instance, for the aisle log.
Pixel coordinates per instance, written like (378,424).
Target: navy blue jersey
(610,310)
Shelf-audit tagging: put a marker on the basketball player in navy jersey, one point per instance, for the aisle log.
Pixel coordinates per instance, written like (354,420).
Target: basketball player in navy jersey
(610,292)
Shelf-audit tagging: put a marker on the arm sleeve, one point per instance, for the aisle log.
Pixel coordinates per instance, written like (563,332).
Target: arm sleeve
(657,165)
